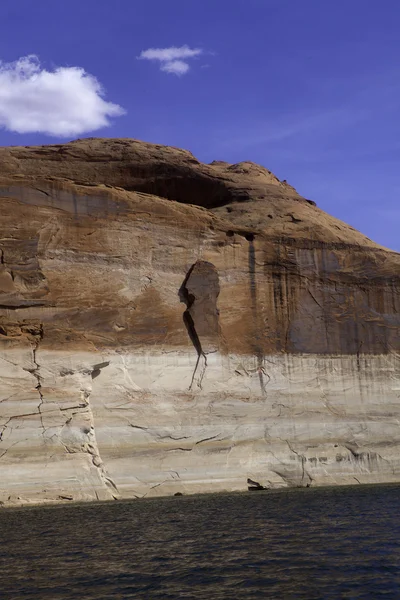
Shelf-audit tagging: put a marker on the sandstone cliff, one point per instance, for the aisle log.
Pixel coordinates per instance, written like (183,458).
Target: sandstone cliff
(169,326)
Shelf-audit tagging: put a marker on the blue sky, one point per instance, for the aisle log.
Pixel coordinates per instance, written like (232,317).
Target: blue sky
(308,88)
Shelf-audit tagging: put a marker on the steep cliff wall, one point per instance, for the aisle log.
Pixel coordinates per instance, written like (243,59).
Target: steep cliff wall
(224,329)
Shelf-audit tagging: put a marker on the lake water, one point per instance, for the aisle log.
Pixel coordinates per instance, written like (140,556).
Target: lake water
(308,543)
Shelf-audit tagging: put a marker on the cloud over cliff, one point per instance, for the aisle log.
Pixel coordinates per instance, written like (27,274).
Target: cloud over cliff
(65,101)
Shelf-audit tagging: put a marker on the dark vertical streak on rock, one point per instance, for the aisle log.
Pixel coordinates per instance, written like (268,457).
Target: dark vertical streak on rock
(252,274)
(199,291)
(256,319)
(189,299)
(75,201)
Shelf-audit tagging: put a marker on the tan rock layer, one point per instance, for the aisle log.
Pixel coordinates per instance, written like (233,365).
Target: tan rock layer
(105,268)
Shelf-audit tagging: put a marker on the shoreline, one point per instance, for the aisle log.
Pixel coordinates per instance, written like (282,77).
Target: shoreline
(195,496)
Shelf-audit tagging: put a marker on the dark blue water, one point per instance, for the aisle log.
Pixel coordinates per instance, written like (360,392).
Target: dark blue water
(321,543)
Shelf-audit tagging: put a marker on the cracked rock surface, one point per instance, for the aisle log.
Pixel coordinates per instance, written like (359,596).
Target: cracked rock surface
(173,327)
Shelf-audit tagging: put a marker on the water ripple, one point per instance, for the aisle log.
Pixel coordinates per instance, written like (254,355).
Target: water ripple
(301,544)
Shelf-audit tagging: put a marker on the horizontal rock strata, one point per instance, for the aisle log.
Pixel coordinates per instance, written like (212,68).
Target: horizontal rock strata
(173,327)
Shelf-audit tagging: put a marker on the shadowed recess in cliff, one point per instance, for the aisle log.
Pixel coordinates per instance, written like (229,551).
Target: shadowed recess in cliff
(199,291)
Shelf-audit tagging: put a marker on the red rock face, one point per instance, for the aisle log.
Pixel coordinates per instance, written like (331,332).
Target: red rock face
(118,248)
(298,280)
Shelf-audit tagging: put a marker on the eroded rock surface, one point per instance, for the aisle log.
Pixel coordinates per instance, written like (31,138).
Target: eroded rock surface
(173,327)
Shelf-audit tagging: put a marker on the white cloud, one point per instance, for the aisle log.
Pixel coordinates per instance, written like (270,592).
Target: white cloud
(64,102)
(173,60)
(178,67)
